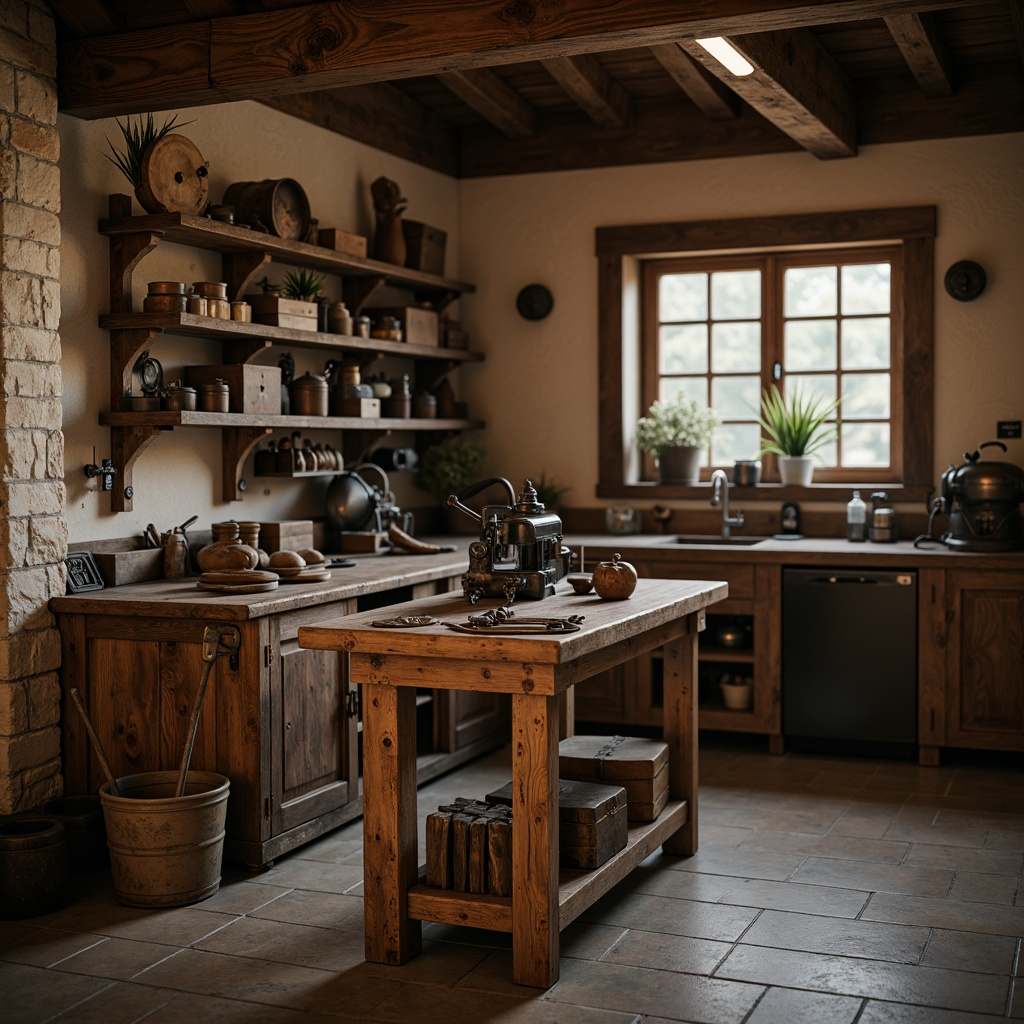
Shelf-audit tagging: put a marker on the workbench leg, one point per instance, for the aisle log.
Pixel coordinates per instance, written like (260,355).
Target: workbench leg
(680,682)
(390,856)
(535,840)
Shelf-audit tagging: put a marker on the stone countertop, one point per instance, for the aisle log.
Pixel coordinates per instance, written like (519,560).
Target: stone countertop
(182,598)
(805,551)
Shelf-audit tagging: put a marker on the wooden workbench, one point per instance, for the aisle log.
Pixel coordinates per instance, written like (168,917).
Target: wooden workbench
(539,672)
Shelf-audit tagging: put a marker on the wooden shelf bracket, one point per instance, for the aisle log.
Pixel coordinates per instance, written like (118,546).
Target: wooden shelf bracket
(237,443)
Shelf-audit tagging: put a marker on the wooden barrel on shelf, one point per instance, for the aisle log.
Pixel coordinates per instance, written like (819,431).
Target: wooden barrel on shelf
(278,204)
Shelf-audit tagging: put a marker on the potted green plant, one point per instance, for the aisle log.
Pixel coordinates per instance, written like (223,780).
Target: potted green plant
(796,428)
(290,304)
(449,468)
(138,137)
(676,433)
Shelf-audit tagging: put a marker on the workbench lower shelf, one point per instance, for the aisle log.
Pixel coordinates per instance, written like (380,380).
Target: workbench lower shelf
(577,890)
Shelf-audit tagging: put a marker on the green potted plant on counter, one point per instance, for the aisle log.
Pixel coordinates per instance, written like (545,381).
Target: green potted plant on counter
(677,433)
(797,427)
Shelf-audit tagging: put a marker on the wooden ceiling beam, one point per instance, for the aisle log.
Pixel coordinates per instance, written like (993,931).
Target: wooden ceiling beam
(797,86)
(592,89)
(483,91)
(920,42)
(331,45)
(208,8)
(1017,20)
(713,97)
(87,17)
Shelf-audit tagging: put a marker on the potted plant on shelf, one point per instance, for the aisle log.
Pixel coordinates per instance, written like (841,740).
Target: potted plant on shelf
(676,433)
(139,136)
(797,428)
(291,304)
(449,468)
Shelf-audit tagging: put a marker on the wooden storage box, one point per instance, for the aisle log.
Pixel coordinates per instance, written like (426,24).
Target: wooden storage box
(277,311)
(126,565)
(363,407)
(252,388)
(639,765)
(591,821)
(419,326)
(425,246)
(341,241)
(287,535)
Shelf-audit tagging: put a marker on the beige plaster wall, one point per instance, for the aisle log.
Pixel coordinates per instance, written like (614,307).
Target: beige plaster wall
(538,387)
(179,475)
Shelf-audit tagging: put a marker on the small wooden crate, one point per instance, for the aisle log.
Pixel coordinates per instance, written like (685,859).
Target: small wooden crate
(591,821)
(127,565)
(362,407)
(639,765)
(252,388)
(277,311)
(425,246)
(341,241)
(419,326)
(361,542)
(287,535)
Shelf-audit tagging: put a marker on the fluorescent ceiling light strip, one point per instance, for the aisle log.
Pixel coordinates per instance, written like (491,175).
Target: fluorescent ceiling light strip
(725,53)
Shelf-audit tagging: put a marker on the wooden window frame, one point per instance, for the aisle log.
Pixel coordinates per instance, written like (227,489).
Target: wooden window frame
(620,251)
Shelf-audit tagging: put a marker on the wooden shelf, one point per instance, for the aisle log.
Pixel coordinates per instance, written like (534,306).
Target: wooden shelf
(738,654)
(214,235)
(191,325)
(168,420)
(577,890)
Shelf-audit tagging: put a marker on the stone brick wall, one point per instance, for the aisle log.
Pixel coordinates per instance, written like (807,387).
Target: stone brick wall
(33,530)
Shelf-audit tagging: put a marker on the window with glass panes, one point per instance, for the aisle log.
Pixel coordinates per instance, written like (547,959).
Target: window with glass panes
(723,329)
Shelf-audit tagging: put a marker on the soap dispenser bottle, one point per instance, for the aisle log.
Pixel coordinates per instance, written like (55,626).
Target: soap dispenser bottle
(856,519)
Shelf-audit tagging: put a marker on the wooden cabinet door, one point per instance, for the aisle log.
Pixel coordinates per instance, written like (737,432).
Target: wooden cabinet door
(313,727)
(985,680)
(463,719)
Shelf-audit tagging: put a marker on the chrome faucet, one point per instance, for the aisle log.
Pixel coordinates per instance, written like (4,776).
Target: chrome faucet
(720,495)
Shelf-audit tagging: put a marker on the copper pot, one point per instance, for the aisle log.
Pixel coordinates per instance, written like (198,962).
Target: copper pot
(308,395)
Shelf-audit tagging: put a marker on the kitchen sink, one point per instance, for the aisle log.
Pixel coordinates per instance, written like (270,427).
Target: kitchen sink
(716,538)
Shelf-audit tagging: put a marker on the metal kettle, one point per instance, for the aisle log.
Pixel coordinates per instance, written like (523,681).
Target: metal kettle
(982,499)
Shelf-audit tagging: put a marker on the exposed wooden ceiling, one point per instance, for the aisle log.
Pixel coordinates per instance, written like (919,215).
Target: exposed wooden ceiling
(485,87)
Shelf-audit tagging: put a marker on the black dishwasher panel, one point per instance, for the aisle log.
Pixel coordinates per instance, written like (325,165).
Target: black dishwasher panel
(849,655)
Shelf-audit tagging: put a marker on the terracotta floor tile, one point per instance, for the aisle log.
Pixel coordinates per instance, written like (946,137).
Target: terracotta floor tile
(641,990)
(875,877)
(119,959)
(120,1003)
(46,947)
(876,1012)
(841,975)
(868,939)
(193,1009)
(985,888)
(744,862)
(836,846)
(667,952)
(991,919)
(971,951)
(322,909)
(790,1006)
(34,994)
(298,873)
(805,899)
(671,916)
(999,862)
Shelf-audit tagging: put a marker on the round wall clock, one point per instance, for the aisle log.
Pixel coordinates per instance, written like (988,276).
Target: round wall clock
(965,280)
(534,302)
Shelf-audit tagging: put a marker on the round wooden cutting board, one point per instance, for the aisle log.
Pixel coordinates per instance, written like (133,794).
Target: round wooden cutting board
(175,177)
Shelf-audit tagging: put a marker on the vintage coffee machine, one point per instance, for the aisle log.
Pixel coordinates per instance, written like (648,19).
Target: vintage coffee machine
(520,551)
(983,499)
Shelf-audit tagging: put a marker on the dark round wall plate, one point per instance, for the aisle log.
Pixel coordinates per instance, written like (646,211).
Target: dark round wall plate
(534,302)
(965,280)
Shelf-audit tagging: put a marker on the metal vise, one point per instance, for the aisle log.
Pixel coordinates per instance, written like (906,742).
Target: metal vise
(520,551)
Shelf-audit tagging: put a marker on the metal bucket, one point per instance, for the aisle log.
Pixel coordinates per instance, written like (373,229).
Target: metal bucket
(165,850)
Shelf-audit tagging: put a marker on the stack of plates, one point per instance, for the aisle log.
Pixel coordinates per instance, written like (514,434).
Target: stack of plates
(302,573)
(238,581)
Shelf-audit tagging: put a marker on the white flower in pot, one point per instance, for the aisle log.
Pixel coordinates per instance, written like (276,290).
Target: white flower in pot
(676,433)
(797,429)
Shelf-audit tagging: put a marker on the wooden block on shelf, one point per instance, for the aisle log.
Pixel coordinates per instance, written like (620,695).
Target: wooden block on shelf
(277,311)
(460,851)
(439,850)
(499,857)
(361,542)
(419,326)
(425,246)
(362,407)
(342,241)
(251,388)
(476,876)
(129,566)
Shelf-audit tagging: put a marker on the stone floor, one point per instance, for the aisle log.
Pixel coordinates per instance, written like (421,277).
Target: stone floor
(827,890)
